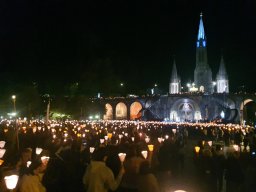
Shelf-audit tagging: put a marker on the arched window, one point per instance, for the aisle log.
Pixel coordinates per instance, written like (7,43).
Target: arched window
(121,111)
(109,112)
(135,110)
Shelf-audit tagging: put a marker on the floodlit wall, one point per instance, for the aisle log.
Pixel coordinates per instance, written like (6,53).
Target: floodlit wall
(135,110)
(121,111)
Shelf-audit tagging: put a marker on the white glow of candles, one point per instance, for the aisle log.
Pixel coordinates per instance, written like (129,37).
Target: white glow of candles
(102,141)
(11,181)
(45,159)
(28,163)
(92,149)
(144,154)
(2,144)
(210,143)
(147,139)
(2,152)
(236,147)
(132,138)
(106,137)
(166,136)
(39,151)
(174,131)
(122,156)
(248,148)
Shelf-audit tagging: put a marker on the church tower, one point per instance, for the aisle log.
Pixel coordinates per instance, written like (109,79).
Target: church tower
(222,78)
(174,87)
(202,73)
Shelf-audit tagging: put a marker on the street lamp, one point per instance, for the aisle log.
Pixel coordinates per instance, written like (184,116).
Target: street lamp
(14,102)
(16,129)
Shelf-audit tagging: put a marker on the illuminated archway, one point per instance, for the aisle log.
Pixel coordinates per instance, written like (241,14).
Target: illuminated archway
(135,110)
(121,111)
(244,103)
(248,112)
(109,112)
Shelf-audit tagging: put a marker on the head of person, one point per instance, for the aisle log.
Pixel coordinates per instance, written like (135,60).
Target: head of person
(26,155)
(36,167)
(100,154)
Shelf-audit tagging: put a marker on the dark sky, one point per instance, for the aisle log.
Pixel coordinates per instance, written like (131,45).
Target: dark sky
(57,42)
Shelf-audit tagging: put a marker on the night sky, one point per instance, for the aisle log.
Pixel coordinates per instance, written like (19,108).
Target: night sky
(55,42)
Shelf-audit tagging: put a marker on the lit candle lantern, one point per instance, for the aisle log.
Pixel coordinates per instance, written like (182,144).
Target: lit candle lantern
(1,162)
(210,143)
(151,148)
(133,139)
(28,163)
(147,139)
(122,156)
(2,144)
(102,141)
(39,151)
(45,159)
(92,149)
(110,135)
(11,181)
(236,147)
(197,149)
(2,152)
(144,154)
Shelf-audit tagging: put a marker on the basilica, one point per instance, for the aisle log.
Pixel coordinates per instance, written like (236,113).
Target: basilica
(207,99)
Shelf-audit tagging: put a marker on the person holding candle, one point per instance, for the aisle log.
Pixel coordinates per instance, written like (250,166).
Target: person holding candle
(147,181)
(31,182)
(98,177)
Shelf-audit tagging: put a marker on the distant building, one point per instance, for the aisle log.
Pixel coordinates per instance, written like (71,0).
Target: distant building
(206,100)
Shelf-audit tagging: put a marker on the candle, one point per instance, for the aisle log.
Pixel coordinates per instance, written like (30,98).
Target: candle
(11,181)
(39,151)
(122,156)
(144,154)
(92,149)
(197,149)
(150,148)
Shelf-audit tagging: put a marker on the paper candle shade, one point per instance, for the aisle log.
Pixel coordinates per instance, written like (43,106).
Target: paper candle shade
(39,151)
(2,152)
(11,181)
(2,144)
(122,156)
(151,148)
(144,154)
(197,149)
(92,149)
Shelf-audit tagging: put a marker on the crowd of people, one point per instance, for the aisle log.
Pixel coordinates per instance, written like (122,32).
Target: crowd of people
(84,156)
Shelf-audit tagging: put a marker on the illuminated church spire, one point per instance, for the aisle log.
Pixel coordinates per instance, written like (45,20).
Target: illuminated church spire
(222,78)
(174,86)
(202,73)
(201,35)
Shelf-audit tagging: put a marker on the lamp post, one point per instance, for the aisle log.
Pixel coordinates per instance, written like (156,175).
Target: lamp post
(16,128)
(14,102)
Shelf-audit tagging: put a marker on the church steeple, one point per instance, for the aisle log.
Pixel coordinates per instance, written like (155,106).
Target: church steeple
(174,76)
(202,73)
(174,87)
(201,35)
(222,78)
